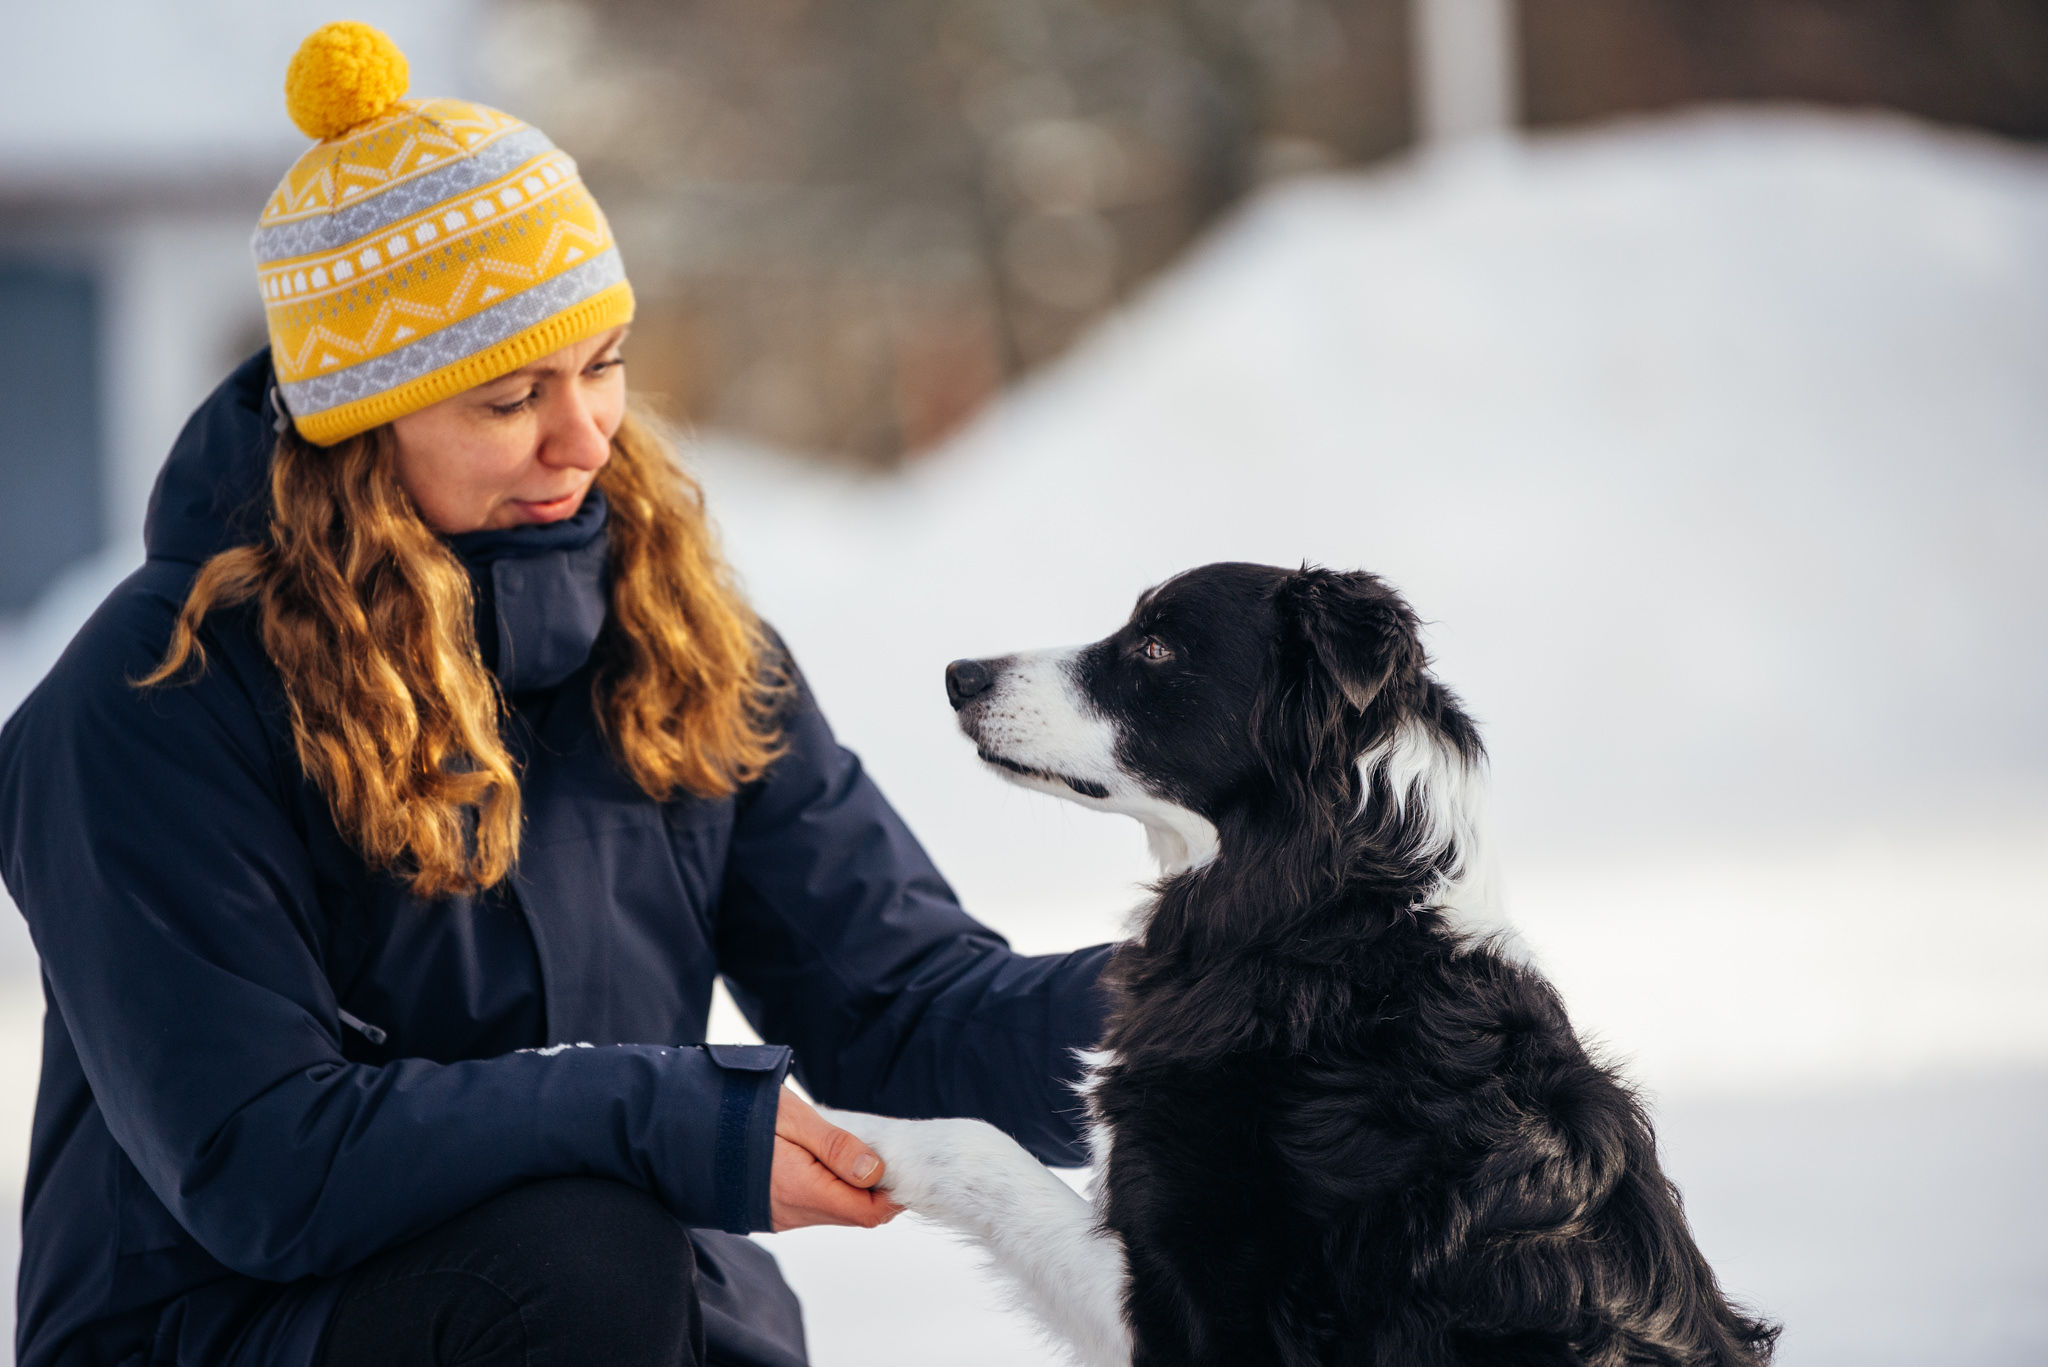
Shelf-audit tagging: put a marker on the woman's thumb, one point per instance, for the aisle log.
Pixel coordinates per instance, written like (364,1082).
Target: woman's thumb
(849,1157)
(842,1151)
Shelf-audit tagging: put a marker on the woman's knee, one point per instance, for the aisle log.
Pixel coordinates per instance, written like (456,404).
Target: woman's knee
(568,1270)
(607,1236)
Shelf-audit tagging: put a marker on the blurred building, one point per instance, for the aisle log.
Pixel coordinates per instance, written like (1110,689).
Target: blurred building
(122,297)
(138,142)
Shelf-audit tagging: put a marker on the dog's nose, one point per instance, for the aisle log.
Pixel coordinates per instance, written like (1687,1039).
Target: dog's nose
(964,679)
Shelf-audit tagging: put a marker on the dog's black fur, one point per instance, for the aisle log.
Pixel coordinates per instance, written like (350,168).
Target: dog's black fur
(1340,1134)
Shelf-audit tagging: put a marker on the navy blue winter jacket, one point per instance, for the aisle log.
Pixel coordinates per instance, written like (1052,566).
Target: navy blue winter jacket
(264,1062)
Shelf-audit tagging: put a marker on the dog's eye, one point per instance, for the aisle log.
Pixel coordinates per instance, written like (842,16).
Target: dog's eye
(1155,650)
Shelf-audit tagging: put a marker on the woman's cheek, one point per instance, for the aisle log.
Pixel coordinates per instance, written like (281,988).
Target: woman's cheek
(611,408)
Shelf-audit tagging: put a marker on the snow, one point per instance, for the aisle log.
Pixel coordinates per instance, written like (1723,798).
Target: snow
(1711,448)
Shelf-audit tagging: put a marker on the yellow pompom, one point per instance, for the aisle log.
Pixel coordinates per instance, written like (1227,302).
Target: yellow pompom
(344,74)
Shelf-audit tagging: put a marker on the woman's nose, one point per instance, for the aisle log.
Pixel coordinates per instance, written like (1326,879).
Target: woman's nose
(573,436)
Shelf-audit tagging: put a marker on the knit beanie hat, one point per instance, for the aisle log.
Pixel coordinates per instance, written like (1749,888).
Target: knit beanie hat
(422,247)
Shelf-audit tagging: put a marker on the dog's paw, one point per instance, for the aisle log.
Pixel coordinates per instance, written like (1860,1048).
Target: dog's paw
(944,1169)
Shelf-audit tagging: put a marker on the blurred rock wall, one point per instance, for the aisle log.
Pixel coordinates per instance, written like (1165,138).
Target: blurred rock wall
(1978,62)
(850,224)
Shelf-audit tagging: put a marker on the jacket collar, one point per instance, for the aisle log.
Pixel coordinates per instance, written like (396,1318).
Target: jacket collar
(541,595)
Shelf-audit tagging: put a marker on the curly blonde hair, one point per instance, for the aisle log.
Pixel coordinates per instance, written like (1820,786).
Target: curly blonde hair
(369,618)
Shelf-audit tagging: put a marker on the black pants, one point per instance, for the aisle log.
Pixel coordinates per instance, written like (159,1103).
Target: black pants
(564,1273)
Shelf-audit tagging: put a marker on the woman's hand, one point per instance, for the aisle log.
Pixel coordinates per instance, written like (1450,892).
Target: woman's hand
(822,1173)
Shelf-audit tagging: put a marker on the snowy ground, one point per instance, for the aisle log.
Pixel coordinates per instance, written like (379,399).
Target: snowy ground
(1713,449)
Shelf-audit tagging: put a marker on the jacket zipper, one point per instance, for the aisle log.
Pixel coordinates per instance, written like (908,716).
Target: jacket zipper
(362,1027)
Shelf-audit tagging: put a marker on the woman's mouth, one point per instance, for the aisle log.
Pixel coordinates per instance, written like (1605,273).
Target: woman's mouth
(549,510)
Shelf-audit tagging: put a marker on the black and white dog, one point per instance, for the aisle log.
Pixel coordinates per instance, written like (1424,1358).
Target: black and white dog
(1341,1118)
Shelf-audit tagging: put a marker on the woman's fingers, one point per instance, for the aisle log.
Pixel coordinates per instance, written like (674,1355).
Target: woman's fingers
(803,1192)
(821,1173)
(843,1152)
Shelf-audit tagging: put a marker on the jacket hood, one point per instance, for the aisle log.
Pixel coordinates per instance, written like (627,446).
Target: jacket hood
(214,489)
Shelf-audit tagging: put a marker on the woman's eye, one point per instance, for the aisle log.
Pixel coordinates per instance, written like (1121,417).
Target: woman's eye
(601,367)
(506,410)
(1155,649)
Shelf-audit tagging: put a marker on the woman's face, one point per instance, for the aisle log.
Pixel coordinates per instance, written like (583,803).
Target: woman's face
(523,448)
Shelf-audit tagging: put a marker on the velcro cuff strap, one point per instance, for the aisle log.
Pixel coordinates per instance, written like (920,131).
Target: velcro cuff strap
(735,1101)
(745,1147)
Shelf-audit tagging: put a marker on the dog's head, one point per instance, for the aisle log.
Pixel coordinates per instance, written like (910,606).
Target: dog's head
(1282,706)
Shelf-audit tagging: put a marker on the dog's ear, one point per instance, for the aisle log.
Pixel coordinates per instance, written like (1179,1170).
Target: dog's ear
(1356,629)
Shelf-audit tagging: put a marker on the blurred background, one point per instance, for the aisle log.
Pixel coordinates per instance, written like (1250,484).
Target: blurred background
(1687,366)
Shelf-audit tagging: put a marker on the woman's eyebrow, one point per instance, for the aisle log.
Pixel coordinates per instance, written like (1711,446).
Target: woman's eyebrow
(535,370)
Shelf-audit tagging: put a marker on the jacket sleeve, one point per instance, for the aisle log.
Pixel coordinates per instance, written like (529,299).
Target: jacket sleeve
(839,937)
(148,838)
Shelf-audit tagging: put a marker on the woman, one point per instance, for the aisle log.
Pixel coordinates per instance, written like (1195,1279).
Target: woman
(382,837)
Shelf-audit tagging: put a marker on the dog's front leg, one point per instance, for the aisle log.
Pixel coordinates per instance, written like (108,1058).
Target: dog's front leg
(1038,1232)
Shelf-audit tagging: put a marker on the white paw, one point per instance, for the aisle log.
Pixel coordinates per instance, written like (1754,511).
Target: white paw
(939,1168)
(1038,1233)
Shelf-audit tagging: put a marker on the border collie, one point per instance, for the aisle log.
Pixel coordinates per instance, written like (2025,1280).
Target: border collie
(1340,1117)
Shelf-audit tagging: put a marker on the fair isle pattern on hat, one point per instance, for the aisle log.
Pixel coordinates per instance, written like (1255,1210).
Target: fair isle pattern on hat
(433,247)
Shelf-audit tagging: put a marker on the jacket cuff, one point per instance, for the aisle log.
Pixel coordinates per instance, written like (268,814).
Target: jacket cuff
(745,1154)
